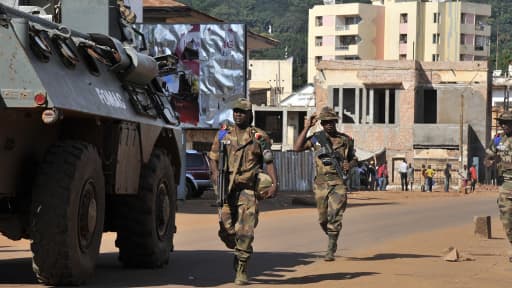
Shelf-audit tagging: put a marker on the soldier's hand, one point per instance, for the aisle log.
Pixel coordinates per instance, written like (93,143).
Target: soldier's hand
(311,121)
(271,192)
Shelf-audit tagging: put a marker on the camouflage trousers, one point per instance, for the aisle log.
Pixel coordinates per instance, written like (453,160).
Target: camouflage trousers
(505,207)
(238,219)
(331,202)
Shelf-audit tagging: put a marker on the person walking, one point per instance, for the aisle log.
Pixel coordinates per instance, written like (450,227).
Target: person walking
(330,188)
(500,151)
(429,175)
(372,176)
(473,177)
(382,173)
(463,177)
(402,169)
(424,179)
(247,148)
(410,175)
(447,177)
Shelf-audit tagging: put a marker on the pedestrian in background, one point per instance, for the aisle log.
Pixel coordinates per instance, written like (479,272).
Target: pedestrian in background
(463,177)
(447,177)
(372,176)
(410,175)
(382,173)
(247,149)
(424,178)
(473,177)
(329,187)
(429,174)
(402,169)
(499,151)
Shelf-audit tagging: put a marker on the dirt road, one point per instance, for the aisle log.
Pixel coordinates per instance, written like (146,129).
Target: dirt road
(390,239)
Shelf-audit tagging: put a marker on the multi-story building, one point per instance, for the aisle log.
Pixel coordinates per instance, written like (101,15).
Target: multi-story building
(398,30)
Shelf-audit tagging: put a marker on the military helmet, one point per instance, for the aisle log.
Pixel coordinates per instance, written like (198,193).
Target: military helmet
(505,116)
(326,113)
(242,104)
(263,182)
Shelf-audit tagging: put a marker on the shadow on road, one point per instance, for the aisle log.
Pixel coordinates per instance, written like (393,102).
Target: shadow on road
(387,256)
(314,278)
(17,271)
(205,268)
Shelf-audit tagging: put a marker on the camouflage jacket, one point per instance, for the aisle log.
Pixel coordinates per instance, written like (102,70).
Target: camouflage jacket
(245,154)
(342,143)
(500,148)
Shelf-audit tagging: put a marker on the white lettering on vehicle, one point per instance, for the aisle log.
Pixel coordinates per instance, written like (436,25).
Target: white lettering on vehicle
(110,98)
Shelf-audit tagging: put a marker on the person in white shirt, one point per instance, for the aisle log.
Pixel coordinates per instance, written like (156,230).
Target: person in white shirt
(402,169)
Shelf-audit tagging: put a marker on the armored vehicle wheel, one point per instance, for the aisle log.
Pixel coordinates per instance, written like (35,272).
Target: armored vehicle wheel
(67,213)
(145,222)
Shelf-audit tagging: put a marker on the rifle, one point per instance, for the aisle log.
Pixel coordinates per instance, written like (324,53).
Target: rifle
(329,156)
(223,174)
(228,237)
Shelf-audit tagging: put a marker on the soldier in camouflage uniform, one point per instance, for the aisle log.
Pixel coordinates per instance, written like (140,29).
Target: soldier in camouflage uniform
(248,148)
(500,150)
(329,188)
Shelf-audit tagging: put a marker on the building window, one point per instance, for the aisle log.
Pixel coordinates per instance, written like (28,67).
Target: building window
(402,57)
(380,105)
(318,41)
(403,38)
(437,17)
(318,21)
(318,59)
(435,57)
(425,111)
(403,18)
(435,38)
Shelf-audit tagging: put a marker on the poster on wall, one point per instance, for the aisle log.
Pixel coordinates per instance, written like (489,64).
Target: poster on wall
(211,65)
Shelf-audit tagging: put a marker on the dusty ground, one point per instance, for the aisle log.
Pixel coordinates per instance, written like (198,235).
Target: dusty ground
(414,261)
(417,260)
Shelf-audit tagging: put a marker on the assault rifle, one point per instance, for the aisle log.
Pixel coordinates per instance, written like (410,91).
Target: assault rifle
(223,175)
(329,156)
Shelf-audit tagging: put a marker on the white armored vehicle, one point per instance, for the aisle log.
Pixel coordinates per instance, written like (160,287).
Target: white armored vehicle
(89,141)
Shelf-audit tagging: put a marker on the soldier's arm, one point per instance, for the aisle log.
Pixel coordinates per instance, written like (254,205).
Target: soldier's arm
(301,141)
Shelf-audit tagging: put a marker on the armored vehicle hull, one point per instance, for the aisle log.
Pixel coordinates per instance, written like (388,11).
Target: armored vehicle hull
(89,143)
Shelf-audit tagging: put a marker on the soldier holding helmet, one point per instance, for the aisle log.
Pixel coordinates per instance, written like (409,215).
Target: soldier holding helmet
(500,150)
(248,148)
(329,187)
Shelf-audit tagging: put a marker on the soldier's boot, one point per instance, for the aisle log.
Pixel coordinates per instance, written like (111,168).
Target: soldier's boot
(331,248)
(241,273)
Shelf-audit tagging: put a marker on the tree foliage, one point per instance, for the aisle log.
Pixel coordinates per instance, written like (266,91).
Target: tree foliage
(288,20)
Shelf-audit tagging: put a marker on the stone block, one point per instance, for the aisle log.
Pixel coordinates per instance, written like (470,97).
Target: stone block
(482,226)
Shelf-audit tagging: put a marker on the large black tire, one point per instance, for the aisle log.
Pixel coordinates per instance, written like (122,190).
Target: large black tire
(67,214)
(145,223)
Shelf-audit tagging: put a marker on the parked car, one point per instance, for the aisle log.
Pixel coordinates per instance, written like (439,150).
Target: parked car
(197,174)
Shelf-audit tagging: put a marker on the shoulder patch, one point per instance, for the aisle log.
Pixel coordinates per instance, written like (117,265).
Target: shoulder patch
(224,129)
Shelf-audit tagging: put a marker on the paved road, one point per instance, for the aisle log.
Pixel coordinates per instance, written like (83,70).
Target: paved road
(286,242)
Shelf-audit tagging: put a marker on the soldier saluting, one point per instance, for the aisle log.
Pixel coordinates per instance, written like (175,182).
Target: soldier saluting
(333,152)
(247,148)
(500,150)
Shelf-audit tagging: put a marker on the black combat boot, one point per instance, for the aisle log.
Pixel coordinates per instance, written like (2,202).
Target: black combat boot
(241,273)
(331,248)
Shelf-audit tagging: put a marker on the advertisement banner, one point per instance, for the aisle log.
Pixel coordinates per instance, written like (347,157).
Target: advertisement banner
(211,65)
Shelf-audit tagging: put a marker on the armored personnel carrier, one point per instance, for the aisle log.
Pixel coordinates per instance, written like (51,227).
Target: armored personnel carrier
(89,141)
